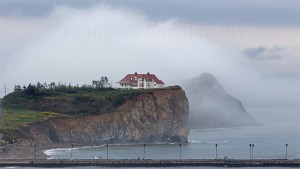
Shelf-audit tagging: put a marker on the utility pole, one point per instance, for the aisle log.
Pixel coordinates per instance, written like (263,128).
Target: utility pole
(4,89)
(286,145)
(216,151)
(250,152)
(106,151)
(144,151)
(71,152)
(180,151)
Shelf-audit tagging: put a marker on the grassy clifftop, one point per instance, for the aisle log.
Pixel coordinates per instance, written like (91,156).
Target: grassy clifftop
(23,107)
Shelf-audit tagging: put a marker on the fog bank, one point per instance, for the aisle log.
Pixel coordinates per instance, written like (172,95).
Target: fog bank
(77,46)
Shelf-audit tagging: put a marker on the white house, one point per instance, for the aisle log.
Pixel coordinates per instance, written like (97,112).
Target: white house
(140,81)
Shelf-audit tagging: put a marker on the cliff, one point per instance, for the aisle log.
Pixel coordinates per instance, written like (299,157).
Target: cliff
(155,116)
(212,107)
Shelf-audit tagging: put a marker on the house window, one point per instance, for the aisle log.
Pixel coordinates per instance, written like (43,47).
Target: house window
(154,84)
(148,84)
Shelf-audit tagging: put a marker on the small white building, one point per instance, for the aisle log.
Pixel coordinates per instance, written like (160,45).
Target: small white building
(140,81)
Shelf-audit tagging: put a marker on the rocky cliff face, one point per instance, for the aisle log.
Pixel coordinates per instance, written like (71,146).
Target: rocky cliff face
(157,116)
(212,107)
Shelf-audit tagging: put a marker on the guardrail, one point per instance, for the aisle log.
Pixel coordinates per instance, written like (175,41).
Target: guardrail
(150,163)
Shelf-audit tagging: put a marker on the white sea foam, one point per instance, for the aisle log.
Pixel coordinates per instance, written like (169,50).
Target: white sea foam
(55,151)
(194,141)
(207,142)
(226,128)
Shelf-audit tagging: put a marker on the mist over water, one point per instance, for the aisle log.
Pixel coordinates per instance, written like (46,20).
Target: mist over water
(78,45)
(212,107)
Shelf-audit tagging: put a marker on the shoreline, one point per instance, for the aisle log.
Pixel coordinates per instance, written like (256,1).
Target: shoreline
(28,151)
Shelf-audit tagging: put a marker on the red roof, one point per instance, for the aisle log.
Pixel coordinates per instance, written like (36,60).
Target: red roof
(130,78)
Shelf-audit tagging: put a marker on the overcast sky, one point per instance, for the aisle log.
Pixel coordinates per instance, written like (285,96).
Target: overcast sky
(251,46)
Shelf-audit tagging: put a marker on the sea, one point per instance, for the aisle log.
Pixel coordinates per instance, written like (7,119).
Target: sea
(277,137)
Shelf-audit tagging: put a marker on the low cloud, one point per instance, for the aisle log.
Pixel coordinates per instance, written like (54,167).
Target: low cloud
(80,45)
(272,13)
(263,53)
(274,61)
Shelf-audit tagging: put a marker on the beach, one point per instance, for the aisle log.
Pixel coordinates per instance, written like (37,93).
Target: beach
(28,152)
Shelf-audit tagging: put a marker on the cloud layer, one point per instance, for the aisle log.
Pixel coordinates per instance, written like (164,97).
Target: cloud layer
(247,12)
(79,45)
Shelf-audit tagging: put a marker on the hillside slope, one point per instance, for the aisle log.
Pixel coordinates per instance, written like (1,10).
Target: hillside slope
(212,107)
(147,116)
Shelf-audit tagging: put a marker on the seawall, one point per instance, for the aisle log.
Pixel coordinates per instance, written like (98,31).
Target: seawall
(151,163)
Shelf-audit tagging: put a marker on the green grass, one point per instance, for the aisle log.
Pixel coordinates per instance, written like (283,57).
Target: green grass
(22,109)
(79,102)
(14,119)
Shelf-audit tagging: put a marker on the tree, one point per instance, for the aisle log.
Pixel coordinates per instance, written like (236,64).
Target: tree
(18,88)
(31,89)
(95,83)
(104,82)
(39,85)
(52,85)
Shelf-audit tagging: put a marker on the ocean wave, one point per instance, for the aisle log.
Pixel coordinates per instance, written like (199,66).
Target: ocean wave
(207,142)
(213,129)
(54,151)
(227,128)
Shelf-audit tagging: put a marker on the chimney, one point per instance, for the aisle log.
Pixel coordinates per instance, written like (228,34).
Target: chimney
(135,73)
(148,73)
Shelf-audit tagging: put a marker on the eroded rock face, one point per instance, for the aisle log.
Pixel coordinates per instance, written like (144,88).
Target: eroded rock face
(159,116)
